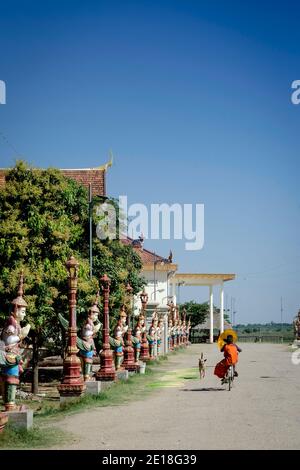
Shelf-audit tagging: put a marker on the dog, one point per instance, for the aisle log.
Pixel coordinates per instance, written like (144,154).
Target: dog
(202,362)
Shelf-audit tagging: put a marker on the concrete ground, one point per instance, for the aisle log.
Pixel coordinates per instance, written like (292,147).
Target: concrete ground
(261,412)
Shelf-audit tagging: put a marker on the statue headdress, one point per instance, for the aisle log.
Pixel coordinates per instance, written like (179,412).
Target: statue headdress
(19,301)
(95,307)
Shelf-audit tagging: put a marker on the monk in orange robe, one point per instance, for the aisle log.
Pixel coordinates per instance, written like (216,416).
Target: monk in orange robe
(231,351)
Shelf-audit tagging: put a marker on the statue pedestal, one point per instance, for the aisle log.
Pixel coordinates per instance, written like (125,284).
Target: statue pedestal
(142,367)
(122,374)
(93,387)
(21,419)
(66,399)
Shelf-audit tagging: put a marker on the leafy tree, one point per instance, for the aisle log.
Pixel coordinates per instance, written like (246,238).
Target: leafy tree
(197,312)
(44,218)
(226,317)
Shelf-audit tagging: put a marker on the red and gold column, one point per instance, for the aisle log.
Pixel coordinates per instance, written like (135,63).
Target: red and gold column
(144,345)
(107,371)
(129,362)
(72,384)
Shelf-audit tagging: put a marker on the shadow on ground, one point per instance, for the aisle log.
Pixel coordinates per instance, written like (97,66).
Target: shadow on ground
(208,389)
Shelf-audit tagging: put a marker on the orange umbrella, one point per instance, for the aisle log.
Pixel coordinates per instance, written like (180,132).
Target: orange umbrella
(222,338)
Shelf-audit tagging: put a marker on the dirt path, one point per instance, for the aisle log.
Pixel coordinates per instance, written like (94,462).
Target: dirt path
(261,412)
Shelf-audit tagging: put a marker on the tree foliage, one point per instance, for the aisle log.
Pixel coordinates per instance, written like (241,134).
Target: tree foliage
(44,218)
(197,312)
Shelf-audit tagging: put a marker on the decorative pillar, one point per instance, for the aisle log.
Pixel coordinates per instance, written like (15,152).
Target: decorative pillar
(107,371)
(129,362)
(211,315)
(72,384)
(144,346)
(222,308)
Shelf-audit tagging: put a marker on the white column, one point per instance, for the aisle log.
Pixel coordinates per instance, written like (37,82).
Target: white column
(211,314)
(221,308)
(172,293)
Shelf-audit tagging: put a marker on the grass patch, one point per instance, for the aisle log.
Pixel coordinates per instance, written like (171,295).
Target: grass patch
(119,393)
(43,435)
(13,438)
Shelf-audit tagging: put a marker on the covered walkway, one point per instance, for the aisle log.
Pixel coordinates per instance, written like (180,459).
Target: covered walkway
(209,280)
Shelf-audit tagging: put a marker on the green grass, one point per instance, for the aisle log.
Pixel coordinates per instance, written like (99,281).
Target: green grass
(119,393)
(36,437)
(135,388)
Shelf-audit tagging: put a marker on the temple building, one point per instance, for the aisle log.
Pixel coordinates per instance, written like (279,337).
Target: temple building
(163,280)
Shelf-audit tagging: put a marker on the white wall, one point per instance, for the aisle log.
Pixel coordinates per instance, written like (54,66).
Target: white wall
(162,291)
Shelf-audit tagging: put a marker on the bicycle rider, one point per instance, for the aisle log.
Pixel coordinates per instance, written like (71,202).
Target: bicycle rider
(231,351)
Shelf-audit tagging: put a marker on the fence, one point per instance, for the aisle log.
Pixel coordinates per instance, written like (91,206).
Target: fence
(197,337)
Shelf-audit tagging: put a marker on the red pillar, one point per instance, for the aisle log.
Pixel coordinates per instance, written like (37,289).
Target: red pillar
(144,344)
(72,384)
(128,362)
(107,371)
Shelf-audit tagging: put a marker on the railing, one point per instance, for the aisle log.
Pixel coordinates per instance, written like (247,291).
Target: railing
(265,339)
(196,337)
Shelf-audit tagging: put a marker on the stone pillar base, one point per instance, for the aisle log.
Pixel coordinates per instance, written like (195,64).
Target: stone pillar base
(105,384)
(142,367)
(122,374)
(21,419)
(93,387)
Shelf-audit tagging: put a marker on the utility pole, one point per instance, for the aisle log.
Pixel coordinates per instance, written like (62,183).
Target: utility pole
(233,311)
(91,229)
(281,312)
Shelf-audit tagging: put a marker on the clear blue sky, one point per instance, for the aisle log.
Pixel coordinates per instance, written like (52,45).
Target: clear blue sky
(194,99)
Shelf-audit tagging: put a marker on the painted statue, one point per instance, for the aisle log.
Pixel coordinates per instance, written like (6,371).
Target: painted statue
(117,344)
(188,331)
(159,334)
(85,340)
(152,336)
(296,324)
(123,318)
(12,358)
(184,332)
(137,339)
(170,332)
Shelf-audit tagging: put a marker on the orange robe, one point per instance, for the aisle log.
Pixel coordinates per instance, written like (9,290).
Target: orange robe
(231,358)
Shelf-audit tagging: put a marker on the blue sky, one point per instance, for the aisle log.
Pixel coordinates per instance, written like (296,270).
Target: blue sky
(194,100)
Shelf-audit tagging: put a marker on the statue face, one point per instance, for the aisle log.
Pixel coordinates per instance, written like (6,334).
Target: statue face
(21,313)
(118,333)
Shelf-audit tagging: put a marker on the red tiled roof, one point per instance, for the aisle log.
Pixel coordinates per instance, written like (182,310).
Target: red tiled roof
(146,256)
(83,176)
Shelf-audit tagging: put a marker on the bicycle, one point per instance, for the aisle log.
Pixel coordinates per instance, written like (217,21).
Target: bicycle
(230,377)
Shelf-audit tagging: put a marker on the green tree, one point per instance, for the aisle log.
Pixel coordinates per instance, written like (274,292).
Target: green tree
(44,218)
(197,312)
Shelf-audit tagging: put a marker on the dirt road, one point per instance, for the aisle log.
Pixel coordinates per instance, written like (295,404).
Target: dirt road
(261,412)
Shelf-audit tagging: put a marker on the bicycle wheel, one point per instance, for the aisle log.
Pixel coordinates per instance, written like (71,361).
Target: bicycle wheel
(230,377)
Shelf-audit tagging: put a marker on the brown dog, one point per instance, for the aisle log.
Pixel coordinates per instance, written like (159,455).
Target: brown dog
(202,366)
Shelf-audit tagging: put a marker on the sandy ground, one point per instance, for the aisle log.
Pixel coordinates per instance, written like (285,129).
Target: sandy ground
(261,412)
